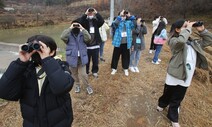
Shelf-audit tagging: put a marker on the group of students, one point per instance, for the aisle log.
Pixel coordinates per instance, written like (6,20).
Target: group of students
(42,83)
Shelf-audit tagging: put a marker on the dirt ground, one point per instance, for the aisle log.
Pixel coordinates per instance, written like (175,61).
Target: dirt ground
(120,101)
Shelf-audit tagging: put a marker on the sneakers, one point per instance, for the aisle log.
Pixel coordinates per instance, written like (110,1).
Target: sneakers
(89,90)
(101,59)
(159,60)
(136,69)
(150,51)
(159,109)
(126,72)
(175,124)
(95,75)
(155,62)
(113,71)
(132,69)
(77,89)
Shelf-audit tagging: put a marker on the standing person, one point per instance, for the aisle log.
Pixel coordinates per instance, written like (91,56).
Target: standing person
(92,21)
(103,33)
(40,83)
(76,38)
(122,41)
(155,23)
(138,44)
(161,34)
(187,54)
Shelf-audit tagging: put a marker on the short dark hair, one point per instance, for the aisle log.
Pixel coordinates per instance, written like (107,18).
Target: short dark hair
(46,40)
(76,21)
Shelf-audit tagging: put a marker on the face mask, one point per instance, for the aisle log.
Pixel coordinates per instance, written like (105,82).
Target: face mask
(90,17)
(76,30)
(36,59)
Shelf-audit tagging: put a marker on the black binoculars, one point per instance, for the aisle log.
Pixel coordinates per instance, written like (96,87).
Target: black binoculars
(142,20)
(90,10)
(76,25)
(30,47)
(125,12)
(198,23)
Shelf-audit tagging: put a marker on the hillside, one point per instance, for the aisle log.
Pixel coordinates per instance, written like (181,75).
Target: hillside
(29,13)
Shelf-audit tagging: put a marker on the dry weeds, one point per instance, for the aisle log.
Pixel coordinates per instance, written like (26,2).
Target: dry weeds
(120,101)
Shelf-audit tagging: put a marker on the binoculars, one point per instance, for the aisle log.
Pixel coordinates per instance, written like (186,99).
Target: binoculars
(90,10)
(125,12)
(142,20)
(30,47)
(198,23)
(76,25)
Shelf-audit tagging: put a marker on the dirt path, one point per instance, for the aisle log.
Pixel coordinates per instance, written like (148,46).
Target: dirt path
(120,101)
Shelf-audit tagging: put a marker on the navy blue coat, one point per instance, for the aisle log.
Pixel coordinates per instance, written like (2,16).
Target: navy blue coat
(74,45)
(53,107)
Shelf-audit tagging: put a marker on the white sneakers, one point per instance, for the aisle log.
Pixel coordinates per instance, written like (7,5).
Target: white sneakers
(174,124)
(159,60)
(159,109)
(125,72)
(155,62)
(113,71)
(150,51)
(134,69)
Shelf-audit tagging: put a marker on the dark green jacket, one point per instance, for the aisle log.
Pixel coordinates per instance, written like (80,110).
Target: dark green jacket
(178,47)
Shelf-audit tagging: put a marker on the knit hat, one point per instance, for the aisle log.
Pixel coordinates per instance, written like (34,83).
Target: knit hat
(178,24)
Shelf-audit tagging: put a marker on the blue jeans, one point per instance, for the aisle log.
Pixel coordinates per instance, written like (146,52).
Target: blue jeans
(157,52)
(101,50)
(134,58)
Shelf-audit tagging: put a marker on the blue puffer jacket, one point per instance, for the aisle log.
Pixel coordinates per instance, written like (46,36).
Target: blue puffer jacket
(120,26)
(53,107)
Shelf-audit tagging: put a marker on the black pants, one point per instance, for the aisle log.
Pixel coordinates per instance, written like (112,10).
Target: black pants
(94,55)
(152,45)
(125,56)
(172,96)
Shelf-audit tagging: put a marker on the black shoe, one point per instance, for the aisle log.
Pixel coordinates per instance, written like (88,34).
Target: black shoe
(101,59)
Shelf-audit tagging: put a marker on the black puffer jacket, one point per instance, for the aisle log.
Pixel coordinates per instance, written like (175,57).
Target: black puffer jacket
(53,107)
(98,21)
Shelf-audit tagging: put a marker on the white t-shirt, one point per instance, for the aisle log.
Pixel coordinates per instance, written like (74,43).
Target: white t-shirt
(190,68)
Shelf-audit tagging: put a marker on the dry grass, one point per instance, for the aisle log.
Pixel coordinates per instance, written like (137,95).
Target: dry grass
(120,101)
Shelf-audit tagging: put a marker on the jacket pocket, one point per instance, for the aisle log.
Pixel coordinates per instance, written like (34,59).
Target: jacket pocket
(177,70)
(68,52)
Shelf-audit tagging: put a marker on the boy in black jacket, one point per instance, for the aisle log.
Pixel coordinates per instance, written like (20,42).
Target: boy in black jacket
(40,83)
(92,21)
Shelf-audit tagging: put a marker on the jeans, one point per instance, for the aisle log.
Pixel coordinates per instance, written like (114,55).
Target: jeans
(134,58)
(101,50)
(157,52)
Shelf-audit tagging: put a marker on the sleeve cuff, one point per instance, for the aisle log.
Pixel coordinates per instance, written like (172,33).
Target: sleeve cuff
(45,60)
(21,62)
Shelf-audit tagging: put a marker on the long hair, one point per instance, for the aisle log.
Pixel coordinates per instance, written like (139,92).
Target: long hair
(161,26)
(178,24)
